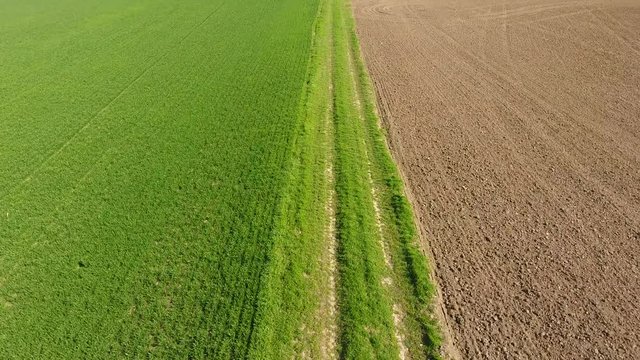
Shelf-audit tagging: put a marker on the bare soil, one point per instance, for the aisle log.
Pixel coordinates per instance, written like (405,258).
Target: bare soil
(517,127)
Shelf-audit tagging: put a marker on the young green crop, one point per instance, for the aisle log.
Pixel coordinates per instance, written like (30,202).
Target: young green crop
(144,149)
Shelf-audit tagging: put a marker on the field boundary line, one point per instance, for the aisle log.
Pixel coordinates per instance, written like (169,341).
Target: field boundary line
(414,248)
(295,323)
(370,96)
(388,282)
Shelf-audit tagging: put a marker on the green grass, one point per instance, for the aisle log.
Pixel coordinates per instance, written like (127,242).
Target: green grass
(366,309)
(163,185)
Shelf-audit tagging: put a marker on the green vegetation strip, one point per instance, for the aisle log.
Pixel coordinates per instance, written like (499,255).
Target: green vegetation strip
(366,308)
(288,322)
(356,119)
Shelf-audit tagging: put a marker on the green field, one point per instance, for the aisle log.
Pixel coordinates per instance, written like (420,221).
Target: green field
(184,179)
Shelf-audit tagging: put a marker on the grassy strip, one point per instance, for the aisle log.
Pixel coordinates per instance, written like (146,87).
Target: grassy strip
(366,308)
(411,268)
(288,299)
(286,322)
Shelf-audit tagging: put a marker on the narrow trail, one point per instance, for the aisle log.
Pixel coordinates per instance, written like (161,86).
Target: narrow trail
(328,311)
(387,281)
(329,307)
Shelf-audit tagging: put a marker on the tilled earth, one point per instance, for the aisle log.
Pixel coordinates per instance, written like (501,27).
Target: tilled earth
(517,128)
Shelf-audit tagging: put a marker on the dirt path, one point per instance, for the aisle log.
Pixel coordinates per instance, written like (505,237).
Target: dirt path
(329,304)
(517,126)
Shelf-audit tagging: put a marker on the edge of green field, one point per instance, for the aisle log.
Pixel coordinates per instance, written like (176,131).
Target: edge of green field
(371,209)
